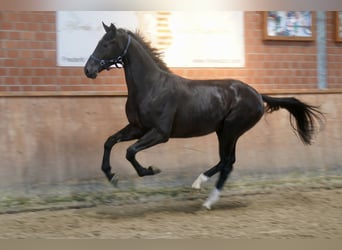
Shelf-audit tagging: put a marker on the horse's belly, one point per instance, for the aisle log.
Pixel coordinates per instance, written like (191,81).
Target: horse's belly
(193,128)
(188,134)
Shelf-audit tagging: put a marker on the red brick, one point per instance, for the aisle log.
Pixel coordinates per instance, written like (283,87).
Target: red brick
(26,35)
(23,62)
(24,80)
(76,88)
(26,53)
(9,63)
(14,71)
(26,88)
(13,35)
(9,80)
(6,25)
(27,72)
(3,88)
(48,27)
(45,88)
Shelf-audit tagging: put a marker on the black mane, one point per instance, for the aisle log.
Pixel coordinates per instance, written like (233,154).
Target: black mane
(154,53)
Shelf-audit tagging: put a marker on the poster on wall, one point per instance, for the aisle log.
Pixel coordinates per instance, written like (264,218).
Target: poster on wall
(338,25)
(289,25)
(79,31)
(185,39)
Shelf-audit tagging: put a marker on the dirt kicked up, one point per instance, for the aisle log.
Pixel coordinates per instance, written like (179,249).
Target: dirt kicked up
(287,213)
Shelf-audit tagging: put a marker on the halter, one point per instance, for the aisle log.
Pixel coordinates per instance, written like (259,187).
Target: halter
(118,62)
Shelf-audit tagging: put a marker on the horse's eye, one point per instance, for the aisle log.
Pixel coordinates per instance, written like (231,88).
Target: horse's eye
(105,45)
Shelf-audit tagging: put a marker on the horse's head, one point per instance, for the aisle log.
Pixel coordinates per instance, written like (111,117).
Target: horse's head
(109,51)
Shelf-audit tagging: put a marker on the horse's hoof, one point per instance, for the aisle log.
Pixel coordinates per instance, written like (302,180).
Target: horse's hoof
(200,179)
(207,206)
(154,170)
(196,185)
(114,181)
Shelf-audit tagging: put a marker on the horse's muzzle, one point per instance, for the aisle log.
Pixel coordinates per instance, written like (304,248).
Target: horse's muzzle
(89,73)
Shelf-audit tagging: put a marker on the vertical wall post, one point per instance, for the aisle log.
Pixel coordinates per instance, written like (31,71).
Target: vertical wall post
(321,50)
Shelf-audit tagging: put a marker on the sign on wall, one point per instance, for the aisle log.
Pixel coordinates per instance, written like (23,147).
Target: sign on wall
(186,39)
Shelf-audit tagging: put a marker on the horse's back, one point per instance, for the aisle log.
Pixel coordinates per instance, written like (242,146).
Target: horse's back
(203,105)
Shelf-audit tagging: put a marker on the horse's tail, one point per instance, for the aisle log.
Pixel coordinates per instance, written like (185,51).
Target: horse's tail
(306,116)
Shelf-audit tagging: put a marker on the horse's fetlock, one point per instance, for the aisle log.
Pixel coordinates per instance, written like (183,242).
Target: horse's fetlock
(106,168)
(141,174)
(227,169)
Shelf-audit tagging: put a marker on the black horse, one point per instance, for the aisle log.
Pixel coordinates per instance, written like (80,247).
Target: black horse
(162,105)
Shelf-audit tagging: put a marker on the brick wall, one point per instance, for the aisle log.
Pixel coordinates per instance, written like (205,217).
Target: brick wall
(28,60)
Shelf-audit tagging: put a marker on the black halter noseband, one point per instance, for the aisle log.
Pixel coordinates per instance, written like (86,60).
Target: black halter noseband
(118,62)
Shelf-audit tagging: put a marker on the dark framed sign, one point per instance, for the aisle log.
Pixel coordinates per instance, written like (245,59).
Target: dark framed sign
(289,25)
(338,18)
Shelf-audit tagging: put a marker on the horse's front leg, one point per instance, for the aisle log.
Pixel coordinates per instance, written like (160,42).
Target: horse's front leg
(127,133)
(151,138)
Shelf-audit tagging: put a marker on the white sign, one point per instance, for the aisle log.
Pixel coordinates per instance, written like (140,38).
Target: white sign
(78,33)
(186,39)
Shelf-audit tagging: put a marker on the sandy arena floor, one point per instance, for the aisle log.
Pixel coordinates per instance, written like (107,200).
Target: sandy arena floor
(289,213)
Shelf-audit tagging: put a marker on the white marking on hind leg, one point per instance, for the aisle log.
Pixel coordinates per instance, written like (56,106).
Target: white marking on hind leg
(213,197)
(200,179)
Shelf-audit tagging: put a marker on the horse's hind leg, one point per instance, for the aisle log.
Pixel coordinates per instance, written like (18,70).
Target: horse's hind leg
(226,169)
(204,177)
(227,141)
(235,125)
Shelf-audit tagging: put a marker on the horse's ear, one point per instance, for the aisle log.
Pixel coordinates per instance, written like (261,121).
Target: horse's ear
(109,28)
(112,27)
(106,28)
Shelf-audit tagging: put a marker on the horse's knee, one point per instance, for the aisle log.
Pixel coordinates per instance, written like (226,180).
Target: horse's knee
(109,143)
(130,153)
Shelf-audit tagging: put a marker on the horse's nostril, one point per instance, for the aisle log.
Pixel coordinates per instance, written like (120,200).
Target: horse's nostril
(89,74)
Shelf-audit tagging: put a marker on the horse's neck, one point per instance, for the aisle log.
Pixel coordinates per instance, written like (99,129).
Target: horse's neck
(139,66)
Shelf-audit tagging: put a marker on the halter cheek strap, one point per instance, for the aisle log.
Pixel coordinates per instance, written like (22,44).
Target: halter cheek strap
(118,62)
